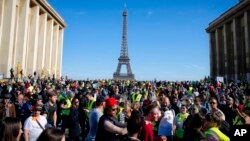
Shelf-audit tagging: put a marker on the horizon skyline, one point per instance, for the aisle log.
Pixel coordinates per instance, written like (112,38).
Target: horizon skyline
(166,40)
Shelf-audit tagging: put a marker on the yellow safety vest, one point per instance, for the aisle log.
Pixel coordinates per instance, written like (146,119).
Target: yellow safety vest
(89,106)
(137,98)
(180,118)
(218,133)
(237,121)
(146,93)
(119,112)
(127,83)
(68,105)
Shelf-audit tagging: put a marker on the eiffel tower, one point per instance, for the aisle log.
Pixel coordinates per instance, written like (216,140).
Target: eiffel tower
(124,59)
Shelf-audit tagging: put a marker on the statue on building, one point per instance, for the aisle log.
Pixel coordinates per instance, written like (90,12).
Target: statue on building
(43,73)
(18,70)
(21,73)
(12,74)
(53,77)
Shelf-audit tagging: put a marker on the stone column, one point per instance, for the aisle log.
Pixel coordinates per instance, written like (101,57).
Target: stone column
(48,50)
(247,39)
(1,17)
(217,60)
(236,77)
(60,52)
(33,40)
(211,55)
(15,33)
(7,22)
(41,43)
(54,50)
(22,34)
(225,40)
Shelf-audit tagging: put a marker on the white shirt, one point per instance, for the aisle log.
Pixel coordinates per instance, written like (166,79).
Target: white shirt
(33,127)
(166,123)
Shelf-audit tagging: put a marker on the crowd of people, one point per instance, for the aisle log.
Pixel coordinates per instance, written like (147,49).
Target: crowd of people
(39,109)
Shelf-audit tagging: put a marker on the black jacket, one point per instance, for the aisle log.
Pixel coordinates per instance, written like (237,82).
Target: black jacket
(74,126)
(102,134)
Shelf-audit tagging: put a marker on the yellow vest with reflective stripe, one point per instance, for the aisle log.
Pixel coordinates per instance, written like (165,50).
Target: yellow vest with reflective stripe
(146,93)
(137,98)
(237,121)
(218,133)
(90,106)
(118,114)
(181,118)
(120,110)
(68,105)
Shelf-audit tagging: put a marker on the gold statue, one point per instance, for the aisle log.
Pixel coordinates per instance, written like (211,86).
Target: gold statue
(43,74)
(18,70)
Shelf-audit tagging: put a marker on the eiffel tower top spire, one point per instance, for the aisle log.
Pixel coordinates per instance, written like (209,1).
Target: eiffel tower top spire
(124,49)
(125,5)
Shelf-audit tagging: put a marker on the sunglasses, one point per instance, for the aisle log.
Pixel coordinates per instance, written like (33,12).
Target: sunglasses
(114,109)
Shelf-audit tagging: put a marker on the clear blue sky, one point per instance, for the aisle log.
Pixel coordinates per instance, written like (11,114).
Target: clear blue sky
(166,38)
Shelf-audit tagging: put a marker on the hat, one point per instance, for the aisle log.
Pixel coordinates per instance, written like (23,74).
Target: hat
(111,102)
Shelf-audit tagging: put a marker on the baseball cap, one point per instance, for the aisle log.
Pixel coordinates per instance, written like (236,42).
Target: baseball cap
(110,102)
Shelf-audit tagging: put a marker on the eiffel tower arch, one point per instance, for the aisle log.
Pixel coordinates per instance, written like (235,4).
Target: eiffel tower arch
(124,58)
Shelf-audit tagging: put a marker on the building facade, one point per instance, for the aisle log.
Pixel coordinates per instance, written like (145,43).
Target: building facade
(229,38)
(31,38)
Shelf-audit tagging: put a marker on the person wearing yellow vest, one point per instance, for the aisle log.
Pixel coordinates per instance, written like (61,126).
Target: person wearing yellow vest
(65,104)
(179,120)
(242,117)
(136,96)
(238,121)
(211,126)
(120,115)
(90,103)
(190,90)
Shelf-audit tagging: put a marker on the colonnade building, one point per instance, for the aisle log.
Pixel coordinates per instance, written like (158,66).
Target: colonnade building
(229,38)
(31,38)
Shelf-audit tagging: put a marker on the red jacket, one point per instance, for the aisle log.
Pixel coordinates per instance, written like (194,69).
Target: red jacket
(147,134)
